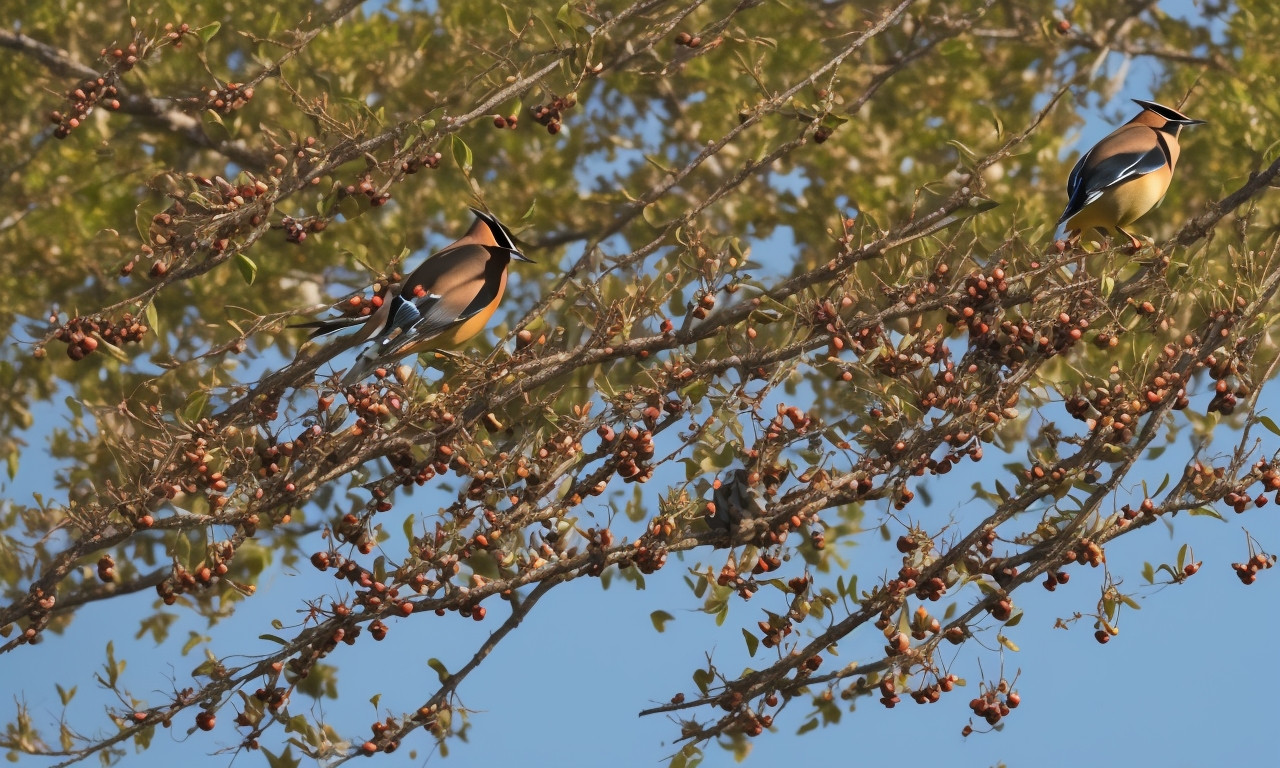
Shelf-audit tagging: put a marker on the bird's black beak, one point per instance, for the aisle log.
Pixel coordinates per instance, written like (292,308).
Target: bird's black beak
(518,256)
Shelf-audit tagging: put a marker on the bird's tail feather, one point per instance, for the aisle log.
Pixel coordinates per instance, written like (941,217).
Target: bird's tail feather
(323,327)
(381,354)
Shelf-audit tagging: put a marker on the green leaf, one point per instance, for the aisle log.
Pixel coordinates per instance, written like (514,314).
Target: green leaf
(1208,512)
(703,679)
(439,667)
(753,642)
(652,216)
(808,726)
(196,403)
(511,24)
(462,154)
(142,739)
(182,550)
(206,668)
(193,640)
(283,760)
(1270,424)
(209,30)
(351,207)
(660,619)
(274,639)
(1149,573)
(114,668)
(214,126)
(689,756)
(248,270)
(964,150)
(153,319)
(142,220)
(1007,643)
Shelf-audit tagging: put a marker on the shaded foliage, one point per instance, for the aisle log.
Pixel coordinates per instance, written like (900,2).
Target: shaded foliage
(796,262)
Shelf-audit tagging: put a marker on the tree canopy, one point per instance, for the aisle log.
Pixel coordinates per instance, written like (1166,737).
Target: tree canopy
(799,330)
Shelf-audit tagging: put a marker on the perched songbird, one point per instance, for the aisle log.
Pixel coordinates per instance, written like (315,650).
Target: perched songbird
(439,305)
(1126,174)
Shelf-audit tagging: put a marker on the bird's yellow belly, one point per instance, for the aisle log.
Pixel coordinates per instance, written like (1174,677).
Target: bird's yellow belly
(460,333)
(1122,205)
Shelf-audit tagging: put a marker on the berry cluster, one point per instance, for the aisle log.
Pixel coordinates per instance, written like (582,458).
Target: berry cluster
(688,40)
(107,568)
(175,32)
(295,230)
(173,233)
(228,98)
(81,334)
(649,552)
(930,694)
(1087,552)
(1108,407)
(1247,572)
(205,464)
(182,580)
(414,164)
(383,737)
(1239,498)
(745,586)
(981,301)
(993,703)
(366,187)
(1053,578)
(372,406)
(550,114)
(356,532)
(124,58)
(889,692)
(1231,382)
(633,448)
(745,720)
(81,100)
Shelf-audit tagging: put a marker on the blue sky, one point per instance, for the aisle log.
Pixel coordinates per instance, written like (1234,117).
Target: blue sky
(1188,682)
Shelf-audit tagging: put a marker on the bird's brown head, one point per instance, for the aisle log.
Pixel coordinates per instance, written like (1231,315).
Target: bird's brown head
(491,232)
(1163,118)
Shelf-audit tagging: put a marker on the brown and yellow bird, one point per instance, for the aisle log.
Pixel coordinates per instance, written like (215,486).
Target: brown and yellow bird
(1126,174)
(442,303)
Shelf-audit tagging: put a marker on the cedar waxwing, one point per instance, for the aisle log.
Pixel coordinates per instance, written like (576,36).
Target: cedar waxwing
(1126,174)
(442,303)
